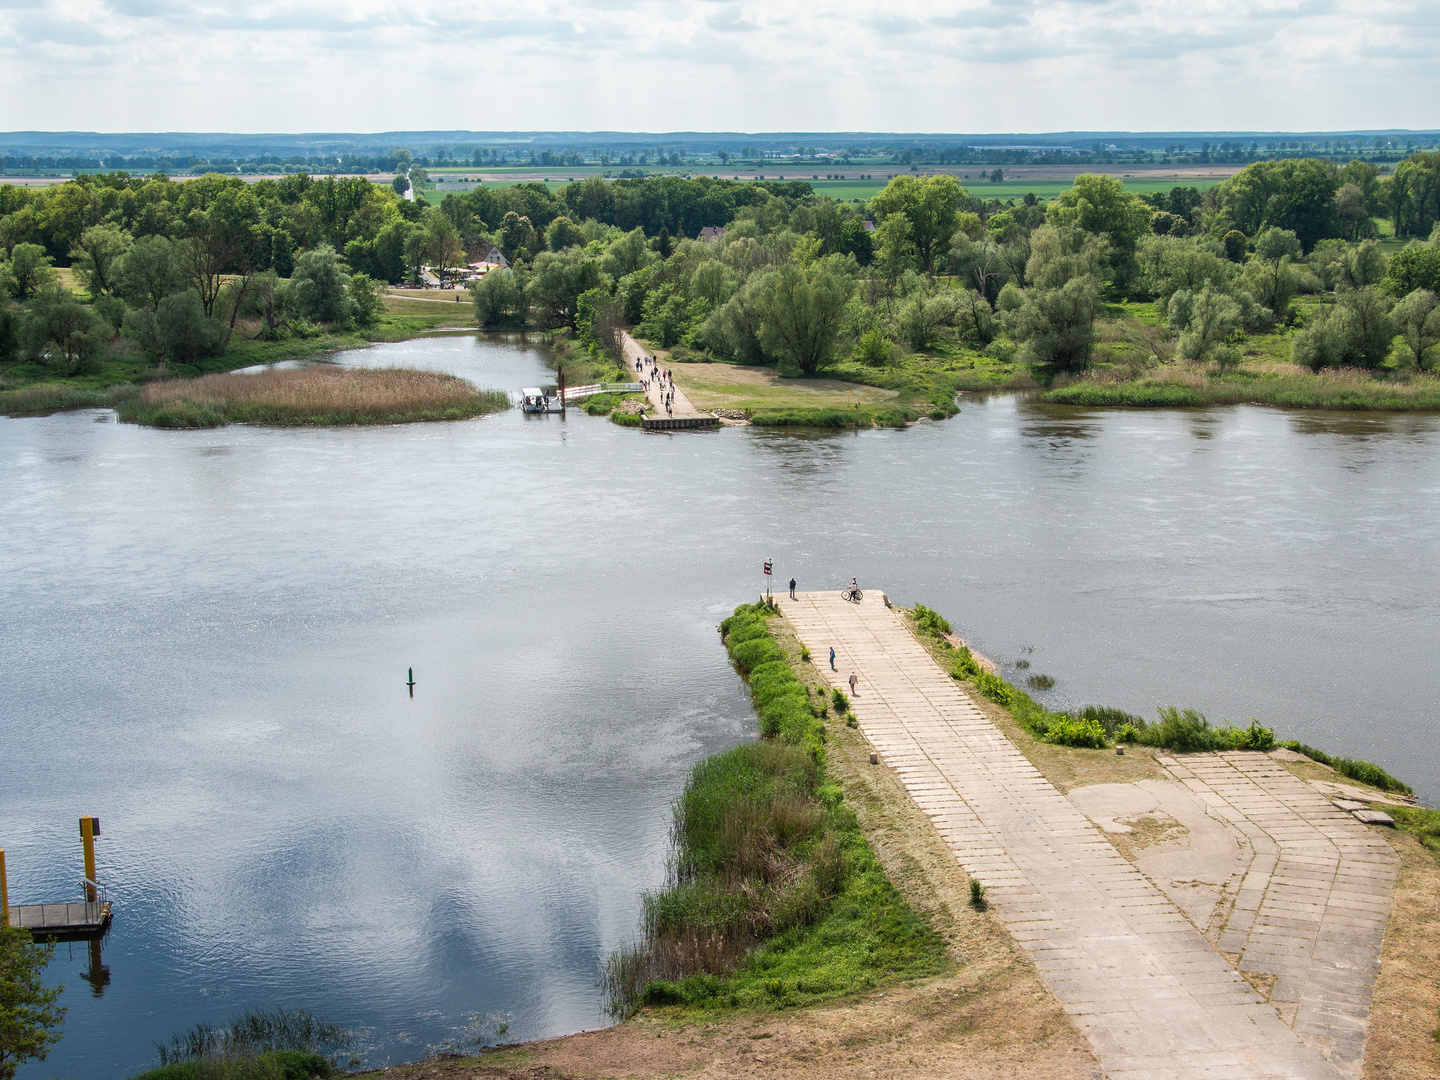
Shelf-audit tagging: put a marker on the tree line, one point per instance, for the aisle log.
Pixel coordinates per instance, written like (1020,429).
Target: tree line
(172,269)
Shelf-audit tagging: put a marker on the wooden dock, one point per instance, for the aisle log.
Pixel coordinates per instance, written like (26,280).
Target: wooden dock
(62,922)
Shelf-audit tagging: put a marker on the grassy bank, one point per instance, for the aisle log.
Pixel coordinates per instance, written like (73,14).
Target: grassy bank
(320,395)
(1097,727)
(775,899)
(1181,385)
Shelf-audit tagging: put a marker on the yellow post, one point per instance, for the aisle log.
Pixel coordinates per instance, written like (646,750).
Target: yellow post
(89,826)
(4,893)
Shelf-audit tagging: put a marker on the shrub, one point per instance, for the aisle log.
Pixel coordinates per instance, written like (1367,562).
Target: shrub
(996,689)
(1112,720)
(1066,731)
(1184,731)
(930,621)
(840,702)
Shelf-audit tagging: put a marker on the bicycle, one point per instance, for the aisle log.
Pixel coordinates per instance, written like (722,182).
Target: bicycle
(853,595)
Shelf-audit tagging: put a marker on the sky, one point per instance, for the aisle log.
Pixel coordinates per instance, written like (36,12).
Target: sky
(719,65)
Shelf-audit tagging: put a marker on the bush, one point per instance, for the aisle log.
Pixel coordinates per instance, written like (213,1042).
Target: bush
(1066,731)
(931,622)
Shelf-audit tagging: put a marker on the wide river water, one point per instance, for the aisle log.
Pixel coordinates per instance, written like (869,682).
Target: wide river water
(206,637)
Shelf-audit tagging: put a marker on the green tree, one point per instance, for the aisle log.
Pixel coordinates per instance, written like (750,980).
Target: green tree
(1418,319)
(501,299)
(1213,318)
(895,237)
(1361,266)
(1298,195)
(1056,326)
(1101,206)
(1416,266)
(1357,330)
(1270,273)
(442,243)
(96,258)
(28,271)
(801,312)
(29,1018)
(64,332)
(400,185)
(556,281)
(183,332)
(147,274)
(366,295)
(626,254)
(666,316)
(563,233)
(517,236)
(929,204)
(320,282)
(1169,264)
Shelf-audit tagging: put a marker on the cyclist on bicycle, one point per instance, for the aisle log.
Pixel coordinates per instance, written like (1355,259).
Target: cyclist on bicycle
(854,585)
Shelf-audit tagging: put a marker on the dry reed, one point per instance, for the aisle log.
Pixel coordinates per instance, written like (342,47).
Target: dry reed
(314,395)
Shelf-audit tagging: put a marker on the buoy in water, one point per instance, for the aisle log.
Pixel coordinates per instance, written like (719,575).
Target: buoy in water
(411,683)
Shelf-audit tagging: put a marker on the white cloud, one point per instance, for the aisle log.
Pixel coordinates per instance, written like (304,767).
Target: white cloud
(916,65)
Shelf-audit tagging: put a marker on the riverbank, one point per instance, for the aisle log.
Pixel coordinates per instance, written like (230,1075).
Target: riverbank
(1184,385)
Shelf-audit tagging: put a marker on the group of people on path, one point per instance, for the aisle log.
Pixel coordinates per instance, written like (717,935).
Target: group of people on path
(662,378)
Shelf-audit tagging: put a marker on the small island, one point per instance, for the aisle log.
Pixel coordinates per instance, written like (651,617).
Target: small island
(318,395)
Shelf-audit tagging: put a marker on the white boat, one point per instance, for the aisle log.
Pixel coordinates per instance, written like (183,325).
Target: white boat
(535,400)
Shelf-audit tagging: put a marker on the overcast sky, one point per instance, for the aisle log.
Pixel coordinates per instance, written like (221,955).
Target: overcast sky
(786,65)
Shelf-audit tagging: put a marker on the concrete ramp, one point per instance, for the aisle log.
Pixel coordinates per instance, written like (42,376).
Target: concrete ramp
(1155,998)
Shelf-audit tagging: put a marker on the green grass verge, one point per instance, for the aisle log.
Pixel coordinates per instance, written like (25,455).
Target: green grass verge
(1180,730)
(1421,822)
(1319,391)
(776,899)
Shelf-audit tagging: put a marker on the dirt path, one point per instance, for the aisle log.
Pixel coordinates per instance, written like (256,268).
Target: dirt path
(680,404)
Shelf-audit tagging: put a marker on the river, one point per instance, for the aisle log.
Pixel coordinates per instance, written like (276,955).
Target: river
(207,635)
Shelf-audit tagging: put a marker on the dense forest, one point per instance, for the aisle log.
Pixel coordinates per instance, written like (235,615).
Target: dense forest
(112,265)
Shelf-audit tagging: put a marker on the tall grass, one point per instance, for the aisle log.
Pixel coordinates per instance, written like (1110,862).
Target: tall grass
(256,1045)
(254,1032)
(1177,387)
(311,396)
(46,398)
(1363,771)
(773,895)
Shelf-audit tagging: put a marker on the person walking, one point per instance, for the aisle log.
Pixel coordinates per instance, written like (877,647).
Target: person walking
(792,588)
(832,658)
(853,681)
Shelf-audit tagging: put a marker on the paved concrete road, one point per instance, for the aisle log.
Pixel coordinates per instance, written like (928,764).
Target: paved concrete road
(1155,998)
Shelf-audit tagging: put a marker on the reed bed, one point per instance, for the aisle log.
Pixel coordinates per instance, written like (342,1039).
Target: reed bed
(1180,385)
(319,395)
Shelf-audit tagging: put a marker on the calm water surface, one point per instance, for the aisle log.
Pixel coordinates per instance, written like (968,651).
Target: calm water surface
(206,635)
